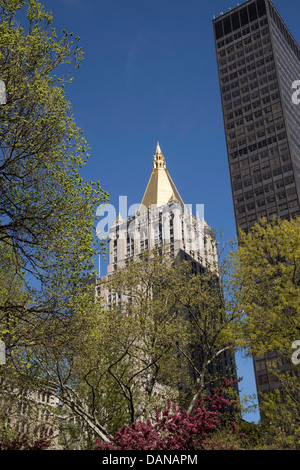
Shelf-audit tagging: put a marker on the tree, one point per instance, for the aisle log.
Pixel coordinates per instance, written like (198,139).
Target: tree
(108,375)
(176,429)
(47,211)
(281,410)
(22,442)
(143,348)
(203,301)
(176,326)
(265,278)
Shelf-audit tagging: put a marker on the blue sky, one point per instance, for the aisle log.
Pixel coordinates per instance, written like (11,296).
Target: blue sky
(150,75)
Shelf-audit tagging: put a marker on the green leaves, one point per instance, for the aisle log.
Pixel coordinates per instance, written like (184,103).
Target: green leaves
(44,200)
(266,280)
(47,211)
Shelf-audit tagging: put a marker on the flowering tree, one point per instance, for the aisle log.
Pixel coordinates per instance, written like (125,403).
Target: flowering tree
(175,429)
(25,443)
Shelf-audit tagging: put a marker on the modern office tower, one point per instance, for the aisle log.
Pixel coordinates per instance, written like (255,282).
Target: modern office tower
(163,223)
(258,63)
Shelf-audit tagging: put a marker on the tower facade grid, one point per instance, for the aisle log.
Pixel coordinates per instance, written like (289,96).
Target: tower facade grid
(258,62)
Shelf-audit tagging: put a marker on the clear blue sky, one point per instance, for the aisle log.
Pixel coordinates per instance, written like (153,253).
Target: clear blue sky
(150,75)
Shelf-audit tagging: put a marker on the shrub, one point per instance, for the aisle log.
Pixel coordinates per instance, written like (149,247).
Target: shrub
(175,429)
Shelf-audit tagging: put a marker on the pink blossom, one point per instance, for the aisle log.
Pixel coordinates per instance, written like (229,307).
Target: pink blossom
(175,429)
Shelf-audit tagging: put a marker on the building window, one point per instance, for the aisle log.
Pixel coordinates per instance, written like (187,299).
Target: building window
(263,379)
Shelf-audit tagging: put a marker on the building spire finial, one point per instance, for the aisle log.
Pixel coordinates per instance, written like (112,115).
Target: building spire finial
(159,159)
(160,189)
(158,151)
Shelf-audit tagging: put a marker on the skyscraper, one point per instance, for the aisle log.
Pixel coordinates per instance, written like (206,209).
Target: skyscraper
(162,220)
(163,223)
(258,63)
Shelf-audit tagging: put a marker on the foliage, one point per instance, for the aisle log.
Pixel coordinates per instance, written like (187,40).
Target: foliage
(281,414)
(265,278)
(127,357)
(46,210)
(175,429)
(265,275)
(111,367)
(23,442)
(147,346)
(43,198)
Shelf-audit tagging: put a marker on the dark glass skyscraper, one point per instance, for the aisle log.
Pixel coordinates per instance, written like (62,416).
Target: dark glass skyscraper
(259,69)
(258,63)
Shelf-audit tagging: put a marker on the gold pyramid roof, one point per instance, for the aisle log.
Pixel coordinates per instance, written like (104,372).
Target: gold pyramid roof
(160,189)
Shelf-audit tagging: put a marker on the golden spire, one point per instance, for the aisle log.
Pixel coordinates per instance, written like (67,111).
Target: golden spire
(160,189)
(159,159)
